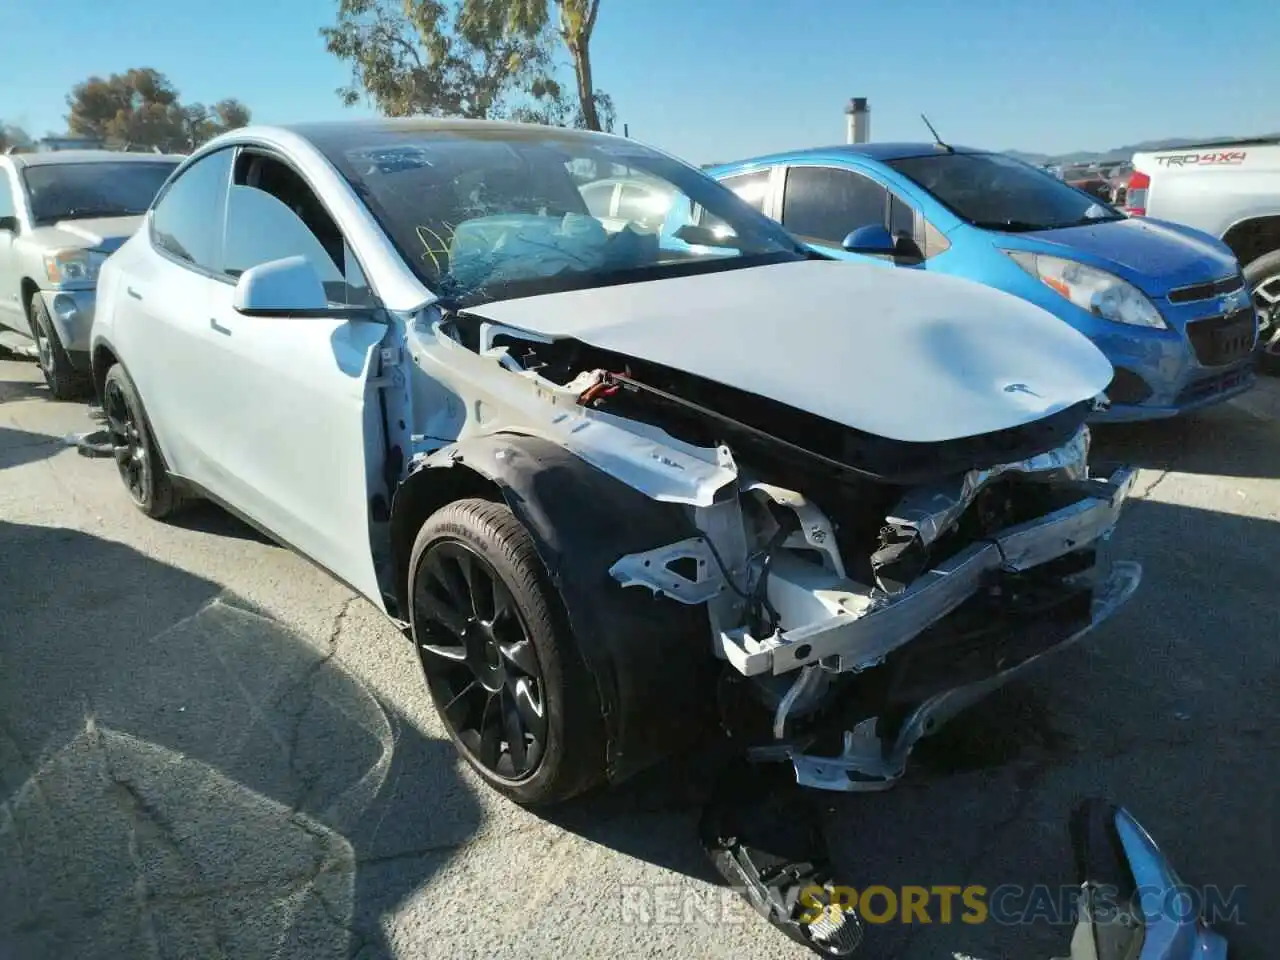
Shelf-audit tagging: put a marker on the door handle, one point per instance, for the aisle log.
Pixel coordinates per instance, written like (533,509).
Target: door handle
(133,293)
(216,327)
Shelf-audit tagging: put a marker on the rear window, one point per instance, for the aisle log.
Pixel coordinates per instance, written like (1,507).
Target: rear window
(70,191)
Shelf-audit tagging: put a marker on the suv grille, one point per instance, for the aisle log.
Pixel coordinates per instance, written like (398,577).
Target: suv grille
(1225,338)
(1206,291)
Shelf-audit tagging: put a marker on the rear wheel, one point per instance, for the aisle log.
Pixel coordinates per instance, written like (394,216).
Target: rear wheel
(1263,277)
(501,663)
(64,380)
(137,457)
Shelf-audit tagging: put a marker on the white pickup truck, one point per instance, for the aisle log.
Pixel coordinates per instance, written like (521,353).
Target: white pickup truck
(1230,190)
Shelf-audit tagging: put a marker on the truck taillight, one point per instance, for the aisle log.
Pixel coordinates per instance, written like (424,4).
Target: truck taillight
(1135,195)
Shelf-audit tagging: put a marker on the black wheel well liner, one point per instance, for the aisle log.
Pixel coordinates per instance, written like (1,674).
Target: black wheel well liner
(650,656)
(28,288)
(102,358)
(1252,238)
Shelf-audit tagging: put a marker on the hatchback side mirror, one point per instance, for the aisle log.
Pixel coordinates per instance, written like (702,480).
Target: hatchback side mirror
(872,239)
(875,240)
(9,223)
(290,287)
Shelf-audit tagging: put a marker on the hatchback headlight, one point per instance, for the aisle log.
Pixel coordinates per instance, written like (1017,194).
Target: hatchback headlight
(1102,294)
(73,266)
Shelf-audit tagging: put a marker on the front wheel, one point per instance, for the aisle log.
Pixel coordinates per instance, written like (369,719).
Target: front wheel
(1263,278)
(137,457)
(500,660)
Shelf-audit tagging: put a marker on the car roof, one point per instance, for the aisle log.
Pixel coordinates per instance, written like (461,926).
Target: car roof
(339,134)
(874,151)
(46,158)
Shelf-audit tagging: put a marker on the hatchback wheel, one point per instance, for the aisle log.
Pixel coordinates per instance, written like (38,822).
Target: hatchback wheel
(136,455)
(1263,277)
(501,663)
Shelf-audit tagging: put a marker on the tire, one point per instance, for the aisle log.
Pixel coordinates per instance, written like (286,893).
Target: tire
(1263,278)
(64,380)
(491,660)
(137,456)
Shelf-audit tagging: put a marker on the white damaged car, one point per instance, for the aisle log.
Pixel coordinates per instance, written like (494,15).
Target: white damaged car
(614,475)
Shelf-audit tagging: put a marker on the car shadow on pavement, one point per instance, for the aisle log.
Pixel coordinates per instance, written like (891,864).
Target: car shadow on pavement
(181,775)
(1172,709)
(203,516)
(1222,441)
(19,446)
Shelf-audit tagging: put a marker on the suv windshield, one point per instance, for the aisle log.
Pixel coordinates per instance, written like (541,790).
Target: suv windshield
(489,215)
(1000,193)
(70,191)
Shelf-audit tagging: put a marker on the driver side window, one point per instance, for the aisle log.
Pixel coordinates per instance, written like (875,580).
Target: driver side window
(273,214)
(826,204)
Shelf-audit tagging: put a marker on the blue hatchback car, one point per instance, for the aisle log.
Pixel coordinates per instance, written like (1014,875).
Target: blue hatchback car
(1165,303)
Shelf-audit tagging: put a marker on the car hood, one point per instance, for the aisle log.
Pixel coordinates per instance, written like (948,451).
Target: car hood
(1152,256)
(893,352)
(103,233)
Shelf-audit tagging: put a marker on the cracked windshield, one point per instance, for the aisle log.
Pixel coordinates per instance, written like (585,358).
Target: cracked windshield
(486,217)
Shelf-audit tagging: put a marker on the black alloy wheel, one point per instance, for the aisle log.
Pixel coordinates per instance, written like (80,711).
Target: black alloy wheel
(128,444)
(480,661)
(137,457)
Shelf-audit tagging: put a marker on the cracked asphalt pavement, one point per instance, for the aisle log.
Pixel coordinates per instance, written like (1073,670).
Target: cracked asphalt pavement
(209,748)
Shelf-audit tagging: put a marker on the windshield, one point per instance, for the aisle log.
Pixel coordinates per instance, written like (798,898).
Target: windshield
(69,191)
(1000,193)
(498,214)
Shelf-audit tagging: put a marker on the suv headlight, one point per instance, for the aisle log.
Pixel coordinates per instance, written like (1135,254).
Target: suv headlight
(73,266)
(1102,294)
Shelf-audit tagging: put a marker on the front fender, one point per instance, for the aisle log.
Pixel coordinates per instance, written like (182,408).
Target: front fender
(651,657)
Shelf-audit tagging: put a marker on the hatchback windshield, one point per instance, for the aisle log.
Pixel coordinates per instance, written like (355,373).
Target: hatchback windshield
(70,191)
(496,214)
(1000,193)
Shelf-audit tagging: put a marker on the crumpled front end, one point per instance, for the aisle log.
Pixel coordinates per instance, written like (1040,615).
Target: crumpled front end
(853,590)
(968,581)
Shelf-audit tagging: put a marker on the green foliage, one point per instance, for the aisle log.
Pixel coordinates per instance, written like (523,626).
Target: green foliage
(141,108)
(467,58)
(471,59)
(12,136)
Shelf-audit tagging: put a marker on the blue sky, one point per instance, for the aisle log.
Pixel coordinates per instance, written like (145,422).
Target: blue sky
(720,79)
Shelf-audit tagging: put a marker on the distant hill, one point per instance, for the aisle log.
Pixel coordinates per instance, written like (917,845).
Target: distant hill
(1121,153)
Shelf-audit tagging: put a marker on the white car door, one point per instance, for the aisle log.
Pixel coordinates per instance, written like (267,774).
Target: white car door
(160,300)
(293,439)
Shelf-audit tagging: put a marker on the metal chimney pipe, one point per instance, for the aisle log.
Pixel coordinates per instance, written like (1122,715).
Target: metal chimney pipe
(858,120)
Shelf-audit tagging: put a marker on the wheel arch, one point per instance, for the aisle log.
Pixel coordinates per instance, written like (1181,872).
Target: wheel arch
(29,288)
(650,656)
(1252,238)
(102,357)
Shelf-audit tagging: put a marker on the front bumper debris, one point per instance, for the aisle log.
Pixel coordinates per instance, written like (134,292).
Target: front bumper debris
(846,642)
(1129,894)
(868,764)
(768,846)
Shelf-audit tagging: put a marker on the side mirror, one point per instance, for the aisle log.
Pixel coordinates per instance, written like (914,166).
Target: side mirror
(9,223)
(871,239)
(875,240)
(290,287)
